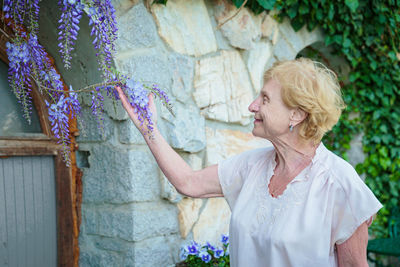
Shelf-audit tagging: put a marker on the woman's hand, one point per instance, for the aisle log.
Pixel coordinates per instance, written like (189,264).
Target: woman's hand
(134,116)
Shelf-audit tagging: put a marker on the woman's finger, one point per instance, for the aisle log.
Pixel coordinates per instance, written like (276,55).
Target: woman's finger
(126,104)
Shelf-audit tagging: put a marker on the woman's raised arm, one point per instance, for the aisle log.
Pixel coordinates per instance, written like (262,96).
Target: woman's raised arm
(202,183)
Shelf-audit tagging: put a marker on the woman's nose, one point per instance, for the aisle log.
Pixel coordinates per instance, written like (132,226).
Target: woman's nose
(254,106)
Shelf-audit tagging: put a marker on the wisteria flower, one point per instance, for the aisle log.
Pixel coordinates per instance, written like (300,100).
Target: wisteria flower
(71,13)
(205,256)
(104,29)
(18,74)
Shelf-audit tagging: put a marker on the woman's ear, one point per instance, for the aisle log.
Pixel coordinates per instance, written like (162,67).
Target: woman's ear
(297,116)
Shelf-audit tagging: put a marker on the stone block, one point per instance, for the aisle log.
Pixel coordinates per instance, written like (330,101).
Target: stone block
(185,130)
(98,258)
(136,29)
(117,222)
(112,244)
(222,88)
(174,243)
(185,26)
(123,6)
(129,134)
(148,253)
(283,50)
(154,219)
(293,38)
(257,60)
(118,176)
(225,143)
(195,162)
(243,29)
(189,209)
(270,28)
(114,109)
(89,217)
(182,69)
(89,127)
(148,66)
(213,221)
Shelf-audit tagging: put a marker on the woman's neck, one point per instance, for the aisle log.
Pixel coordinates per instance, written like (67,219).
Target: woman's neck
(292,156)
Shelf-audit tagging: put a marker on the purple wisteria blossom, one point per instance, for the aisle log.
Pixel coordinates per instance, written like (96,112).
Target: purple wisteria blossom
(59,121)
(138,98)
(43,71)
(71,13)
(18,74)
(75,107)
(104,29)
(98,108)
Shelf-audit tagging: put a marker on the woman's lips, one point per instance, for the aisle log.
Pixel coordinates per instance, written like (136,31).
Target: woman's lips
(257,121)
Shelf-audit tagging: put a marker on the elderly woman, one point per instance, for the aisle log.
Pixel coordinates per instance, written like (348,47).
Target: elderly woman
(295,203)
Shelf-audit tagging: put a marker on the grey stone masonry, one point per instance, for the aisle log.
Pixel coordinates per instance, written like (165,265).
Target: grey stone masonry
(120,176)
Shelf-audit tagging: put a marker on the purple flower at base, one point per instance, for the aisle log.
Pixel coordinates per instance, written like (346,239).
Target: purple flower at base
(193,248)
(218,252)
(205,256)
(210,247)
(225,239)
(183,254)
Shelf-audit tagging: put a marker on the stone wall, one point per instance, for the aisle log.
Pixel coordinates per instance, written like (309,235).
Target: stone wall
(131,215)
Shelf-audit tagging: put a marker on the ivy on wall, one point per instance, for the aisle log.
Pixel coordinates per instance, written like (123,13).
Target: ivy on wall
(366,34)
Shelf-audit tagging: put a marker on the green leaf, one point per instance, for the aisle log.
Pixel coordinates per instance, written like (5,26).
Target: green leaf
(304,9)
(267,4)
(292,12)
(238,3)
(352,4)
(162,2)
(297,23)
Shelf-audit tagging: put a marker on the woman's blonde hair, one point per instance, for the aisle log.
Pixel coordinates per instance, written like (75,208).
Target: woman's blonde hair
(312,87)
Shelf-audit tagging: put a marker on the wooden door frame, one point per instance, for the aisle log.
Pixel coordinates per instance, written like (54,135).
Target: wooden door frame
(68,178)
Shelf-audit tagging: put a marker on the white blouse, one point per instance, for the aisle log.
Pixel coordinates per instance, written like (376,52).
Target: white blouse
(321,207)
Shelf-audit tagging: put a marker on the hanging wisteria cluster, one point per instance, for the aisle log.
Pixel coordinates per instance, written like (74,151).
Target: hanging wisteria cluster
(29,64)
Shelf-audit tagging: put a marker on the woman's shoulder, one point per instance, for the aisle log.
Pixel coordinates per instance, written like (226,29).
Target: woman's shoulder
(340,172)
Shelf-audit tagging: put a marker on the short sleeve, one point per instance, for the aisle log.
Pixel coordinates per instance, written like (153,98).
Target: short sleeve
(232,173)
(354,204)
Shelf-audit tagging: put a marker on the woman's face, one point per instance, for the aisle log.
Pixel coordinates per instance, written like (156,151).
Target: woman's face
(271,115)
